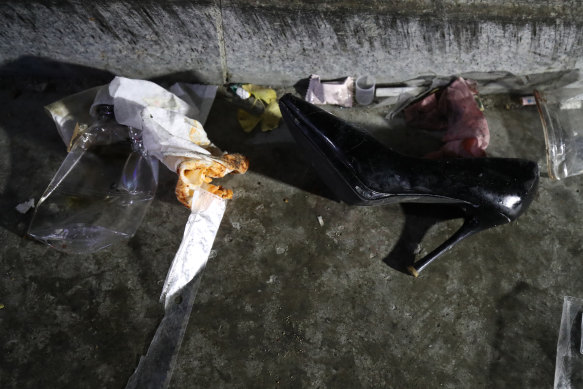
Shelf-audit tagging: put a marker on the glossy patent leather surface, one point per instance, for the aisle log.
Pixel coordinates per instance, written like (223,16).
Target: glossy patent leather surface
(362,171)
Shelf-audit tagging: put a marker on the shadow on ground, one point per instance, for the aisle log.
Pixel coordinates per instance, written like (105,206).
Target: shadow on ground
(31,147)
(419,218)
(66,316)
(524,339)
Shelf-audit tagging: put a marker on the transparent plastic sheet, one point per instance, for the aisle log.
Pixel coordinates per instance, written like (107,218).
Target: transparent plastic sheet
(427,86)
(77,109)
(183,278)
(80,212)
(558,95)
(569,363)
(101,191)
(488,83)
(561,113)
(201,96)
(155,368)
(174,135)
(71,111)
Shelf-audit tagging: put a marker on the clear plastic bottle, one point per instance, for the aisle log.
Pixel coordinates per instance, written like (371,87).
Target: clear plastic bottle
(100,193)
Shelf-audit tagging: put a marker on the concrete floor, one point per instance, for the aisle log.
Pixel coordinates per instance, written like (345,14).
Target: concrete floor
(285,302)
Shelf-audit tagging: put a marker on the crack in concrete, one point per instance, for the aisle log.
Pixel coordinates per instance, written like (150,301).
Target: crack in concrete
(221,42)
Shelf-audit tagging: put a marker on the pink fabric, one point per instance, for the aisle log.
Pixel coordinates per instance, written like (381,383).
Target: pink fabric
(454,110)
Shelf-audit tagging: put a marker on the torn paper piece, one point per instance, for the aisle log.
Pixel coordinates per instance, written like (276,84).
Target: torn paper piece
(321,221)
(527,100)
(330,92)
(25,206)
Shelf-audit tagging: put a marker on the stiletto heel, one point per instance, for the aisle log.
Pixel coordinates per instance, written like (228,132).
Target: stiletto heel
(471,226)
(362,171)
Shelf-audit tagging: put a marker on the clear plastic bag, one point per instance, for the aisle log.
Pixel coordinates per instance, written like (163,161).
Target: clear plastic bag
(569,364)
(561,114)
(101,191)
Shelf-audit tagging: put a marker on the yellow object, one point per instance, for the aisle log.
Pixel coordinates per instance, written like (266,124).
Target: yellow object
(271,117)
(261,93)
(1,306)
(79,129)
(413,271)
(271,114)
(247,121)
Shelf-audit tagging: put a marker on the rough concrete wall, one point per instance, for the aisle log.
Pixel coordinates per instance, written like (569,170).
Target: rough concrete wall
(280,42)
(133,38)
(398,42)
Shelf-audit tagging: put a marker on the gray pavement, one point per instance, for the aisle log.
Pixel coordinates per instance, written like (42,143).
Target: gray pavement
(286,302)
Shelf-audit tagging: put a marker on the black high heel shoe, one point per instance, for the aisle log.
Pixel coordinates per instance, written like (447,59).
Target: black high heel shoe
(362,171)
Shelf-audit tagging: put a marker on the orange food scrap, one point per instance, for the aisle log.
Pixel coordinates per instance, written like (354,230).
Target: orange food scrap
(197,173)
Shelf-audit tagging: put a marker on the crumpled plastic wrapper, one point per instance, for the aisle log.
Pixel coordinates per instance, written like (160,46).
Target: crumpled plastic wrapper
(330,92)
(455,110)
(569,362)
(561,113)
(449,105)
(270,114)
(72,112)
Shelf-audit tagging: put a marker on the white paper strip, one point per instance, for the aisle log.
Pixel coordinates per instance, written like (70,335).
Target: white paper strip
(199,235)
